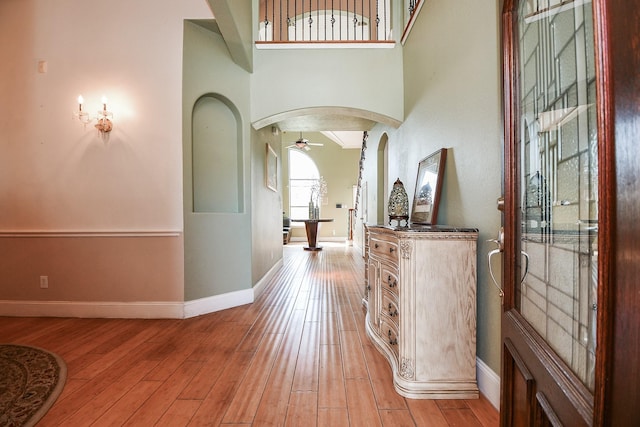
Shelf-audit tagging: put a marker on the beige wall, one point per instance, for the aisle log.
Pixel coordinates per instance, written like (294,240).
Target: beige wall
(453,99)
(339,168)
(84,268)
(102,218)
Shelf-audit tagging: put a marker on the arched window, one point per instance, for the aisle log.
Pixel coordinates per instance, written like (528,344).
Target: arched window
(303,173)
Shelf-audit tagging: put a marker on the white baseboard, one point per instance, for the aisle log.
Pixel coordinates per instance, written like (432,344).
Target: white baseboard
(488,383)
(126,310)
(258,288)
(120,310)
(229,300)
(137,310)
(217,302)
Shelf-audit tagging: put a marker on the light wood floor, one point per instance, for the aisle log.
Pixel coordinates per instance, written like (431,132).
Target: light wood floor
(298,356)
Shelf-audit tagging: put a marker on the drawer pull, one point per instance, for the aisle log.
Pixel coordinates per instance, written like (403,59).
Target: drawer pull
(390,283)
(376,246)
(393,341)
(391,250)
(394,312)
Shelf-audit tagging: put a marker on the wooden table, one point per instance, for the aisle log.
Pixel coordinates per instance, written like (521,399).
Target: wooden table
(311,226)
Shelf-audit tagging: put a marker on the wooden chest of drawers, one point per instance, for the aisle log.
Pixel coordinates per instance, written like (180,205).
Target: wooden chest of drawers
(421,308)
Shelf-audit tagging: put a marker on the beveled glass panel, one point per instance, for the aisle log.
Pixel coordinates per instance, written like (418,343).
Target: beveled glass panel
(558,176)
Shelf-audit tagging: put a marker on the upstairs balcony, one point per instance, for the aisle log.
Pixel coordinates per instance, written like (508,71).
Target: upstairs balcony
(337,61)
(293,23)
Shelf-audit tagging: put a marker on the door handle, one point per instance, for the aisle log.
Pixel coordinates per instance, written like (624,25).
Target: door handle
(526,266)
(500,248)
(493,278)
(500,243)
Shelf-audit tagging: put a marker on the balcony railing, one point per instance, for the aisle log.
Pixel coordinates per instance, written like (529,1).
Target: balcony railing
(324,21)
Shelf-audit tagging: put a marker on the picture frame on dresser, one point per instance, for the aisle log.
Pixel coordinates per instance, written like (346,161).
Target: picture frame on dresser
(426,198)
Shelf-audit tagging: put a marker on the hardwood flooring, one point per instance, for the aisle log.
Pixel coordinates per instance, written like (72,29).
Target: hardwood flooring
(298,356)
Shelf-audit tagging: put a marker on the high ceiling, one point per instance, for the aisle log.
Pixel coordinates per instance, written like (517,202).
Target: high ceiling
(343,125)
(346,138)
(346,130)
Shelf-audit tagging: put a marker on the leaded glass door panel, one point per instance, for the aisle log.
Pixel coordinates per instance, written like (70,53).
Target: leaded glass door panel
(551,214)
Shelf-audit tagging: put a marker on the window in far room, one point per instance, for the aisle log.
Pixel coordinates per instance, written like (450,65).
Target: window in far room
(303,173)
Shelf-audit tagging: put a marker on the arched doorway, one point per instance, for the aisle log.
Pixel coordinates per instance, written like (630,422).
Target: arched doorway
(382,178)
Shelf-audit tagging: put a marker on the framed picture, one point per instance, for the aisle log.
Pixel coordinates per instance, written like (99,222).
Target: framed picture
(428,186)
(271,169)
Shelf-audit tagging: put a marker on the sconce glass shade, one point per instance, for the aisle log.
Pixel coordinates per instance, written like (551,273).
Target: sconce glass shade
(398,204)
(84,118)
(103,118)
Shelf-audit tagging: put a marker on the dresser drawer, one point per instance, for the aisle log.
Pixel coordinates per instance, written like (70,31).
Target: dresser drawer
(389,307)
(389,333)
(389,279)
(384,248)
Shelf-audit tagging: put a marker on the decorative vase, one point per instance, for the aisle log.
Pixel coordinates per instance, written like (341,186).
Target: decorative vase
(312,209)
(398,204)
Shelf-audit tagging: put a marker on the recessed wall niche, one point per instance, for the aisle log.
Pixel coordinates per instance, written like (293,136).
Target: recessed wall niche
(216,156)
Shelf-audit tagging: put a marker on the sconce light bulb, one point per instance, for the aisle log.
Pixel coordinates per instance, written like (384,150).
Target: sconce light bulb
(80,102)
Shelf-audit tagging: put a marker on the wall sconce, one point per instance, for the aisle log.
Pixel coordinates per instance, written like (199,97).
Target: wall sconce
(104,117)
(83,116)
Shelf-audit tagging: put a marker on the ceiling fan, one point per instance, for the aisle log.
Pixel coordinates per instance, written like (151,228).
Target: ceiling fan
(304,144)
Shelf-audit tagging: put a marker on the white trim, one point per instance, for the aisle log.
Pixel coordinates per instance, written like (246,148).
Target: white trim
(137,310)
(120,310)
(488,383)
(259,287)
(126,310)
(217,303)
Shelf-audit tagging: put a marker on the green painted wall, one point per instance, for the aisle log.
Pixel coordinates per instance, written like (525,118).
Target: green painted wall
(266,207)
(289,79)
(452,99)
(217,248)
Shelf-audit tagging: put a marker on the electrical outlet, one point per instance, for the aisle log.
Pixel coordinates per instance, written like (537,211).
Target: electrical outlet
(44,282)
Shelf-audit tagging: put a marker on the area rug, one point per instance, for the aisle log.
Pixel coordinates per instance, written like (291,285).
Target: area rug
(31,379)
